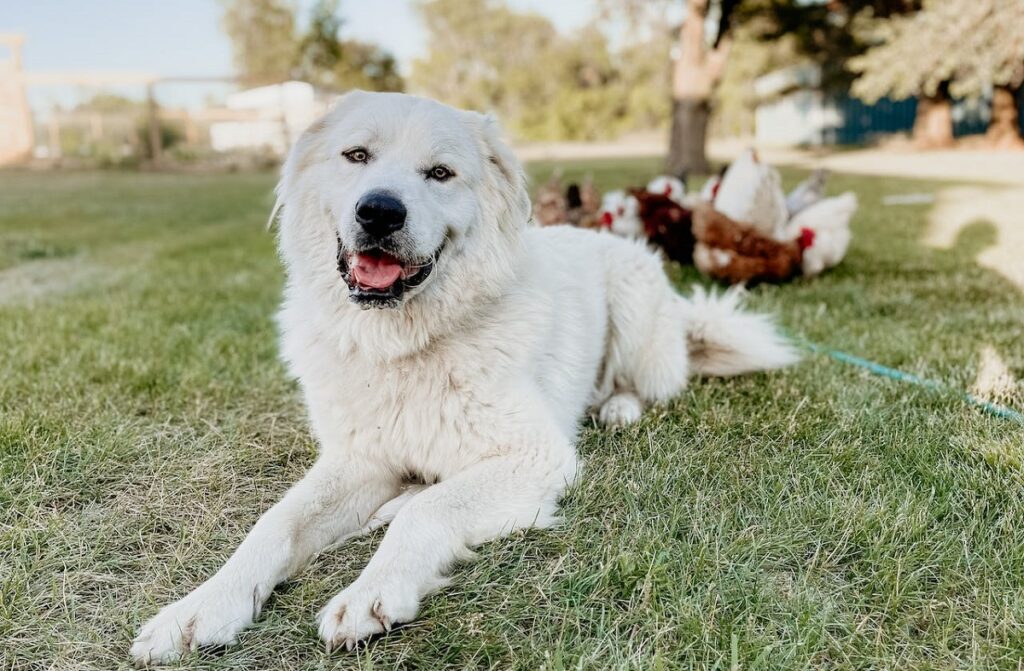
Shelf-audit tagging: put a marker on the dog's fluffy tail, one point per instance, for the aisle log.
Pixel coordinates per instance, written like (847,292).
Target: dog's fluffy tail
(724,340)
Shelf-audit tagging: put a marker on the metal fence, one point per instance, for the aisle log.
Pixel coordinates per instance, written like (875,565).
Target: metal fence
(859,123)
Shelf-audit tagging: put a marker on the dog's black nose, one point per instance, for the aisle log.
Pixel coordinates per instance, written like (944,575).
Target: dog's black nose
(380,213)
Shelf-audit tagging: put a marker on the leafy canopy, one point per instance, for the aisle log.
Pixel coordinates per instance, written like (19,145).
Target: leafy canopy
(971,44)
(486,56)
(268,49)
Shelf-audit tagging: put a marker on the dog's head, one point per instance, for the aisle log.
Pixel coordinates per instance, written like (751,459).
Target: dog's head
(391,197)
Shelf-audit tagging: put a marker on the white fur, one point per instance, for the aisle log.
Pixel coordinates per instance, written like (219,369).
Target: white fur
(475,384)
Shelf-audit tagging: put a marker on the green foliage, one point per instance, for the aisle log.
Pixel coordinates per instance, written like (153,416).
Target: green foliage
(110,103)
(826,33)
(328,61)
(109,129)
(170,133)
(486,56)
(971,44)
(267,48)
(263,42)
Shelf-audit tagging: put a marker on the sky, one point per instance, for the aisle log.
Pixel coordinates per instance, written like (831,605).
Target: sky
(183,37)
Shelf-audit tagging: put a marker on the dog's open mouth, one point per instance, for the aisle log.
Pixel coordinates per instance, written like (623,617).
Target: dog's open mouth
(377,278)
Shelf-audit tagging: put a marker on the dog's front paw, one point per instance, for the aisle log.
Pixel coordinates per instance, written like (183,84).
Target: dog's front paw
(621,409)
(210,616)
(364,609)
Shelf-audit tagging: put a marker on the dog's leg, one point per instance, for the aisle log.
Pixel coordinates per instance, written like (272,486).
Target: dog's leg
(436,528)
(333,499)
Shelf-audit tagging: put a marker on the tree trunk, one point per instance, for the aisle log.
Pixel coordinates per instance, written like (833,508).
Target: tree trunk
(696,73)
(933,124)
(1004,127)
(686,154)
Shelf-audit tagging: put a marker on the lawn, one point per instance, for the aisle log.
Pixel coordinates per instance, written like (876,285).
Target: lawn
(819,517)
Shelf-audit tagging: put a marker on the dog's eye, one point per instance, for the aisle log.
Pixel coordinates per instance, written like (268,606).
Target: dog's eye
(356,155)
(441,173)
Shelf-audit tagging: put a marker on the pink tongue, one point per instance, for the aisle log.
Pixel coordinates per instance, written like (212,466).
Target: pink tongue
(376,272)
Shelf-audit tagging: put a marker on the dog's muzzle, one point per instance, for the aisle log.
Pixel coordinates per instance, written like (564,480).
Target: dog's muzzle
(378,278)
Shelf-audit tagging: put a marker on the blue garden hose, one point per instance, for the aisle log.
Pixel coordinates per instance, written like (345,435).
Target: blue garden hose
(900,376)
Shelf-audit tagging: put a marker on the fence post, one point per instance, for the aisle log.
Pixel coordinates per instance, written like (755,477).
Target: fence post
(191,130)
(54,135)
(153,123)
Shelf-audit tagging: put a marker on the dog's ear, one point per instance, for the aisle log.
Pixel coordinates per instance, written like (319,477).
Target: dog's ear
(508,168)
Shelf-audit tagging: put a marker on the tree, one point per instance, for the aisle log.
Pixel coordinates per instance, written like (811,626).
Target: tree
(895,67)
(1004,126)
(950,48)
(329,61)
(263,41)
(697,72)
(828,34)
(712,30)
(486,56)
(268,50)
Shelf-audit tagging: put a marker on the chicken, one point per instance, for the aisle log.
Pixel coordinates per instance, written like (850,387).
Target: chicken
(734,253)
(550,208)
(584,203)
(745,233)
(620,214)
(668,186)
(807,192)
(751,192)
(823,230)
(667,224)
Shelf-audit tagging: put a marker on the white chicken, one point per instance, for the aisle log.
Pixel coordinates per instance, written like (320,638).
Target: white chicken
(666,185)
(823,229)
(620,214)
(751,192)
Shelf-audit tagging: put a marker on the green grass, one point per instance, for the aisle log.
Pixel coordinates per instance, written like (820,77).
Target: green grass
(818,517)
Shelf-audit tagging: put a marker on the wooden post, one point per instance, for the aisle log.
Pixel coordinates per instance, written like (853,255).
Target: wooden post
(153,124)
(191,130)
(54,135)
(17,134)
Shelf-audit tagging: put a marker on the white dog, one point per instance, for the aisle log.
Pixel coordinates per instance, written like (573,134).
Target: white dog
(440,340)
